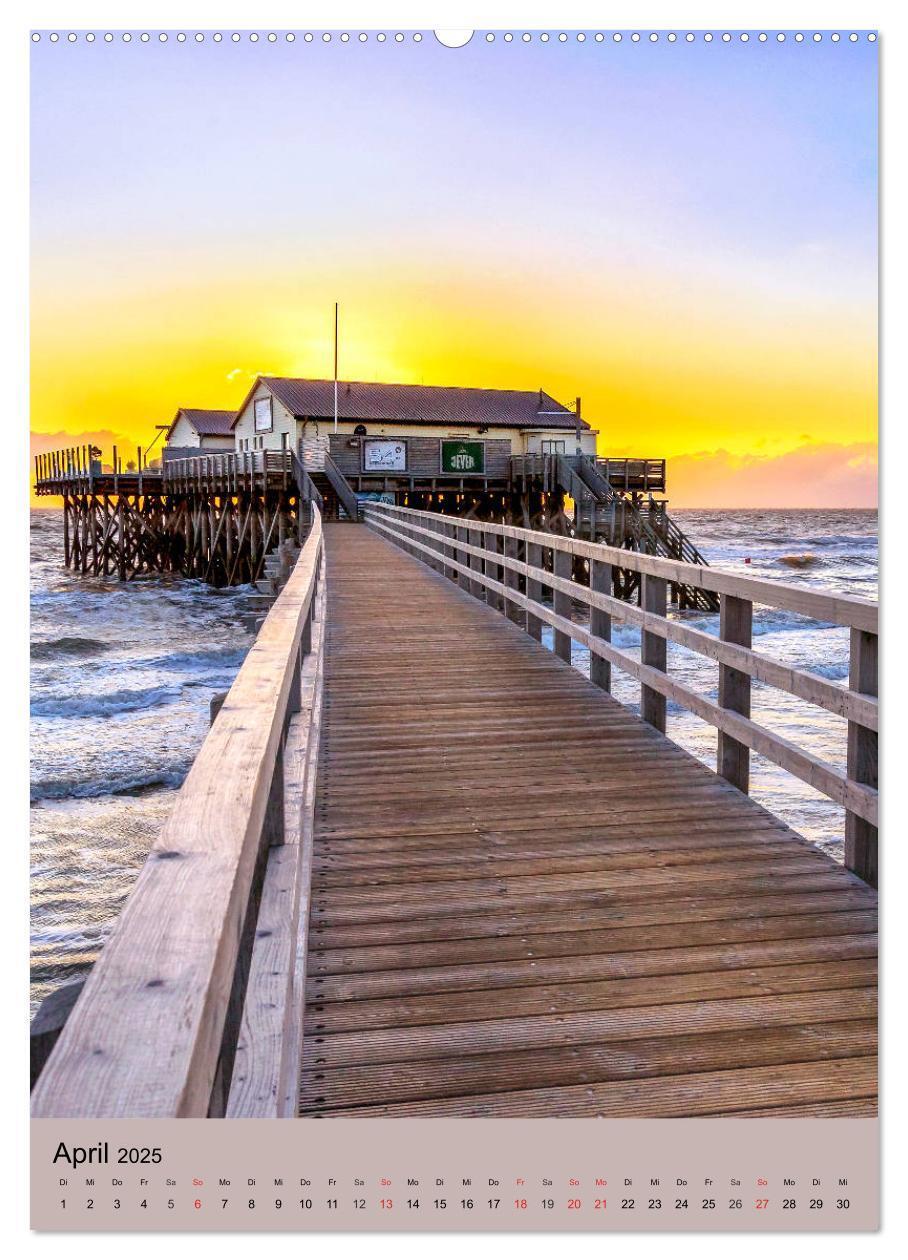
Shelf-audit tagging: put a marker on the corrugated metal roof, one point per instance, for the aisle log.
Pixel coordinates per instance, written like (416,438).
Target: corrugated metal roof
(422,404)
(207,423)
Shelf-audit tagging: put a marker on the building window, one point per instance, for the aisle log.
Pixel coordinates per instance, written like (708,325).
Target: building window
(263,420)
(551,447)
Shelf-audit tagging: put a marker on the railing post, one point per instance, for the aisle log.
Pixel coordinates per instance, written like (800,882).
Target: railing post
(600,623)
(427,557)
(861,840)
(534,590)
(563,567)
(512,580)
(451,535)
(653,599)
(735,626)
(437,560)
(476,538)
(306,636)
(491,544)
(463,535)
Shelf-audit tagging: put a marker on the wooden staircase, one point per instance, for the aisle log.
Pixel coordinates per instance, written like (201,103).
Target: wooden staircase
(276,570)
(602,514)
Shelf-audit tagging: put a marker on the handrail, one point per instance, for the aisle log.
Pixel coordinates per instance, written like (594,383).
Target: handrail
(308,489)
(843,610)
(341,487)
(462,550)
(171,1002)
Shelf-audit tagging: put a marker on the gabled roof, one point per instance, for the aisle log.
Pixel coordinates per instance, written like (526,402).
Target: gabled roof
(420,404)
(206,423)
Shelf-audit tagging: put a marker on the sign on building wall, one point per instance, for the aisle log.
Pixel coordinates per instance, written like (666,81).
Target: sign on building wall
(384,455)
(262,415)
(463,457)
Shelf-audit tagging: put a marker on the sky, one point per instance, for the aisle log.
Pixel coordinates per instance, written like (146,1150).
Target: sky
(684,235)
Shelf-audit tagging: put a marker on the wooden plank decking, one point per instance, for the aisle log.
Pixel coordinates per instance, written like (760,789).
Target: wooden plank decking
(527,902)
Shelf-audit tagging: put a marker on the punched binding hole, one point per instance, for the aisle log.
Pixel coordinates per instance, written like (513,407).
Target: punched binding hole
(453,39)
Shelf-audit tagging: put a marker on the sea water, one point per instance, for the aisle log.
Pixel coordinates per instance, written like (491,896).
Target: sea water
(122,675)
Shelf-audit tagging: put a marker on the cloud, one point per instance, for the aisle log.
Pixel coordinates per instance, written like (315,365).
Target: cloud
(822,475)
(41,443)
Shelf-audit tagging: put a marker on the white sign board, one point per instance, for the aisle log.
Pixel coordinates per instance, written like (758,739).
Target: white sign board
(384,455)
(263,414)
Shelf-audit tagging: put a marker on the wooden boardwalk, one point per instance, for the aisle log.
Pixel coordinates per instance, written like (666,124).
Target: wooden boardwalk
(528,902)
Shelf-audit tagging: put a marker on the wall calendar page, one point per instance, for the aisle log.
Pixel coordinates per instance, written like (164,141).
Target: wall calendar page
(454,629)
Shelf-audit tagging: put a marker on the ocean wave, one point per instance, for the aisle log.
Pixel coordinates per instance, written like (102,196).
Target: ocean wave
(625,635)
(125,785)
(824,541)
(114,702)
(212,682)
(205,658)
(778,621)
(864,558)
(833,670)
(869,541)
(68,645)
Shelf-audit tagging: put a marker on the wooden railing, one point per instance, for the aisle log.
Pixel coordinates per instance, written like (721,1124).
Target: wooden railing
(633,474)
(77,469)
(74,464)
(623,475)
(228,471)
(194,1006)
(513,569)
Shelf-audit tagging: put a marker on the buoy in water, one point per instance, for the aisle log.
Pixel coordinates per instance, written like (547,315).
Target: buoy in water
(747,559)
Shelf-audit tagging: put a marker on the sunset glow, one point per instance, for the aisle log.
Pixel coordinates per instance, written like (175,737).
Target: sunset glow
(685,236)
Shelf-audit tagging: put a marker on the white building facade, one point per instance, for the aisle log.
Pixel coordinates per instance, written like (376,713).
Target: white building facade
(281,412)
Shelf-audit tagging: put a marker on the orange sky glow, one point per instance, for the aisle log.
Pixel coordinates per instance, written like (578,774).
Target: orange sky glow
(712,302)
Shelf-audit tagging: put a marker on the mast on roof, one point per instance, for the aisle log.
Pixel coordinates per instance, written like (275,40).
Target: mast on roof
(335,367)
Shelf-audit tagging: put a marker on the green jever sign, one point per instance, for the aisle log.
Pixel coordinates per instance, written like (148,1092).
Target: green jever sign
(463,457)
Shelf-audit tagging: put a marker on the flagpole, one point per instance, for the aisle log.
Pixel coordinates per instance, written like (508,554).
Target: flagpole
(335,367)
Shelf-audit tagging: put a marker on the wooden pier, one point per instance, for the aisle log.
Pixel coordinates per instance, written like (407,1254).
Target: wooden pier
(217,516)
(213,517)
(449,875)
